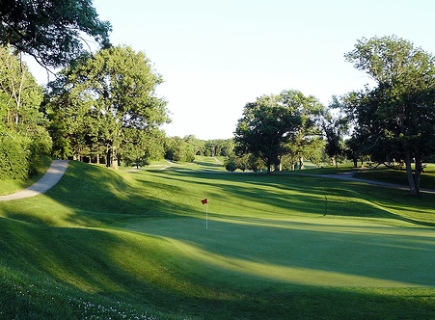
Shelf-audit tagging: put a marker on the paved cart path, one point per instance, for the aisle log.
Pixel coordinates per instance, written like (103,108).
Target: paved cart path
(58,168)
(49,180)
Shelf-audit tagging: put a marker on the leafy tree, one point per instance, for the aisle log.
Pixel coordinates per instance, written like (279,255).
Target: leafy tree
(140,146)
(230,164)
(219,147)
(52,30)
(177,149)
(198,145)
(307,133)
(23,138)
(398,113)
(116,88)
(334,127)
(21,95)
(266,124)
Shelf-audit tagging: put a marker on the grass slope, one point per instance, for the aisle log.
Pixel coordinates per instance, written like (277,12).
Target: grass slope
(133,245)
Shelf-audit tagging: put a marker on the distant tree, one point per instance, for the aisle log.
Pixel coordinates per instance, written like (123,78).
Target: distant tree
(198,145)
(243,161)
(309,130)
(139,147)
(52,30)
(230,164)
(219,147)
(177,149)
(227,148)
(266,124)
(334,128)
(399,112)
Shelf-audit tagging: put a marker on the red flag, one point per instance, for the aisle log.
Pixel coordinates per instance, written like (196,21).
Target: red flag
(204,201)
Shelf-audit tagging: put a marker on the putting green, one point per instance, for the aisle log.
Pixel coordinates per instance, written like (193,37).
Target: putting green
(323,251)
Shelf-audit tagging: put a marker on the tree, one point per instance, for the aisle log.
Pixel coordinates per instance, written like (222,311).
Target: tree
(307,133)
(266,124)
(117,89)
(140,146)
(51,31)
(22,96)
(198,145)
(399,112)
(334,127)
(24,140)
(178,149)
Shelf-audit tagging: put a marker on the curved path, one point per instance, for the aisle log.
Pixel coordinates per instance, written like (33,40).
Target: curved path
(352,176)
(50,178)
(58,168)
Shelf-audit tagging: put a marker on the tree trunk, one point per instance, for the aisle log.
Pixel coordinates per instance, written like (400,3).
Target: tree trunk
(417,174)
(269,166)
(355,162)
(408,162)
(301,163)
(114,160)
(334,162)
(108,156)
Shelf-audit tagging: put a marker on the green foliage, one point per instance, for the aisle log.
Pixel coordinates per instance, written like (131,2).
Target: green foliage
(24,141)
(102,99)
(230,164)
(139,147)
(265,125)
(179,150)
(14,155)
(20,155)
(277,126)
(395,119)
(20,95)
(51,31)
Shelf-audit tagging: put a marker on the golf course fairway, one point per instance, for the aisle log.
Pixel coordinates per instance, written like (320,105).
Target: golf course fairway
(305,251)
(143,244)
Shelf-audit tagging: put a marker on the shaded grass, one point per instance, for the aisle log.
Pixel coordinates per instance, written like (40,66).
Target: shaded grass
(136,241)
(399,176)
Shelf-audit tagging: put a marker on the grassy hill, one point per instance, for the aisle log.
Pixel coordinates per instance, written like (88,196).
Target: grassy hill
(133,244)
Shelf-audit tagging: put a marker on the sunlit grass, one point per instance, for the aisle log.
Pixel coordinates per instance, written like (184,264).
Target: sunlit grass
(134,245)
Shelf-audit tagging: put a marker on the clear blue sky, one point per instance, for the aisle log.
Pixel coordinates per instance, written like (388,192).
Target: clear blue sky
(217,55)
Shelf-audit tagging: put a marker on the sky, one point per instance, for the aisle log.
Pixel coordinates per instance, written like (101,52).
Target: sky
(217,55)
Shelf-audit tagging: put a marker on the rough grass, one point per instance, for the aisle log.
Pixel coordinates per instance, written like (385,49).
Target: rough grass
(133,245)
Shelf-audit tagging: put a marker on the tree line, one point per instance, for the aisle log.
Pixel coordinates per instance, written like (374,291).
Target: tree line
(391,122)
(102,106)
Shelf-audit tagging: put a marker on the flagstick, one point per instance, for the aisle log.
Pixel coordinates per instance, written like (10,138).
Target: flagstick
(206,216)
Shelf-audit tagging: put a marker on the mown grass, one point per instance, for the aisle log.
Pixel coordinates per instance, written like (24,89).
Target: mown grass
(399,176)
(133,245)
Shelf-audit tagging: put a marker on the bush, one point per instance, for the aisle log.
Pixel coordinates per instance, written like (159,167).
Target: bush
(40,146)
(230,164)
(14,156)
(21,155)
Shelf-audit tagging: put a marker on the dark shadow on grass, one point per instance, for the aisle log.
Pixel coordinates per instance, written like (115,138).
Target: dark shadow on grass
(318,196)
(35,247)
(77,258)
(365,251)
